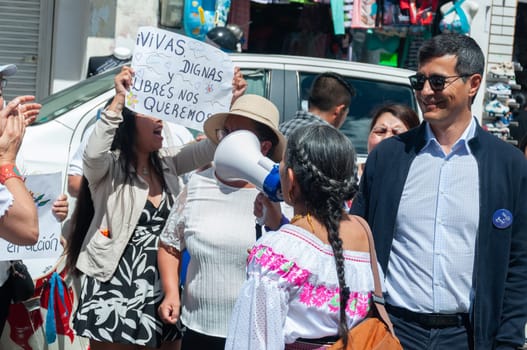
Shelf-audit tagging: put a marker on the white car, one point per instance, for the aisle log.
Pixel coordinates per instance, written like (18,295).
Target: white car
(50,142)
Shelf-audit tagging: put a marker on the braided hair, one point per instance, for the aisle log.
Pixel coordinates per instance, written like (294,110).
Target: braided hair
(322,159)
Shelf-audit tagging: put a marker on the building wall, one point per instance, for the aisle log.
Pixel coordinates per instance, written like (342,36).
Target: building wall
(90,28)
(69,38)
(501,40)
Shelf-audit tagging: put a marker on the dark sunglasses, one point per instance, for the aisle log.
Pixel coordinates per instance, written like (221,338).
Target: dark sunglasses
(437,82)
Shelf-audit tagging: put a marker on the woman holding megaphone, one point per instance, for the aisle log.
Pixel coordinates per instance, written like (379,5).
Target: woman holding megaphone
(311,281)
(212,218)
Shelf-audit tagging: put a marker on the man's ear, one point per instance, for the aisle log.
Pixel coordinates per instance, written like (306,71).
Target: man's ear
(339,109)
(290,184)
(265,147)
(475,82)
(291,175)
(340,114)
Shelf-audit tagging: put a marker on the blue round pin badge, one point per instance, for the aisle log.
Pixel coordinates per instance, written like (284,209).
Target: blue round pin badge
(502,218)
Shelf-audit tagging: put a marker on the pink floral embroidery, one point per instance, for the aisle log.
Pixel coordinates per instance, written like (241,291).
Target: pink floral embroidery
(334,303)
(274,262)
(363,304)
(352,305)
(286,267)
(279,264)
(297,276)
(320,296)
(256,252)
(305,294)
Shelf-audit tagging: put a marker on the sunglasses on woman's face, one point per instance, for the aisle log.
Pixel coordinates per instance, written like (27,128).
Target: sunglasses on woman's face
(437,82)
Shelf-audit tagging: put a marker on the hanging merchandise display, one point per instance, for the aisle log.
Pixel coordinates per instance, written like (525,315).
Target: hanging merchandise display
(385,46)
(500,105)
(457,16)
(337,13)
(222,12)
(364,14)
(367,14)
(200,16)
(394,29)
(410,7)
(426,12)
(348,13)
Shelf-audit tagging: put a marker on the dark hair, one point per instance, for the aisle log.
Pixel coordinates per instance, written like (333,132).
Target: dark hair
(124,141)
(322,158)
(80,223)
(329,90)
(402,112)
(470,58)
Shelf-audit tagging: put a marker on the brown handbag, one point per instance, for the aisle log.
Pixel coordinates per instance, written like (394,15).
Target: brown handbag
(375,331)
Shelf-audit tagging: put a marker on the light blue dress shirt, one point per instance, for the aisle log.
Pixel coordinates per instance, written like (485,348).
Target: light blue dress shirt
(432,257)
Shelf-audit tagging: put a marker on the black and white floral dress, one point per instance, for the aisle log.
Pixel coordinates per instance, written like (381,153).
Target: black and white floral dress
(124,309)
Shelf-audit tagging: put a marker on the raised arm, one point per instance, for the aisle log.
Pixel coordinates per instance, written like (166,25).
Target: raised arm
(97,158)
(239,84)
(19,224)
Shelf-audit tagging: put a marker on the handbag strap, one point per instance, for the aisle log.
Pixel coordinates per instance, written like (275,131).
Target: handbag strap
(378,299)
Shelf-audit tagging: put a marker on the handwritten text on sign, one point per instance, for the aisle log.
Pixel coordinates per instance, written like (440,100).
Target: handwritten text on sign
(45,189)
(179,79)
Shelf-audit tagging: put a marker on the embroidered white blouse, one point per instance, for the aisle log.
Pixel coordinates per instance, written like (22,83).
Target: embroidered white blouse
(292,291)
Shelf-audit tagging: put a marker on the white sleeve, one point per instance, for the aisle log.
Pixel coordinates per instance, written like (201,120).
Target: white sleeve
(176,135)
(174,230)
(258,316)
(75,165)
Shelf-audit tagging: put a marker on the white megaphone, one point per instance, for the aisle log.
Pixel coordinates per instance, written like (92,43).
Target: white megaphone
(238,157)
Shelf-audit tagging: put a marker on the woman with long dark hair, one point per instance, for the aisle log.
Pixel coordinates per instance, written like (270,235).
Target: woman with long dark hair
(129,186)
(311,281)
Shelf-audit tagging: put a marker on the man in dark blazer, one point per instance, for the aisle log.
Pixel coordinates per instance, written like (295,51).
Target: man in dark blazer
(447,203)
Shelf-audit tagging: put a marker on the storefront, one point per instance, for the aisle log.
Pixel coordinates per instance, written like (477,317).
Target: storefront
(390,33)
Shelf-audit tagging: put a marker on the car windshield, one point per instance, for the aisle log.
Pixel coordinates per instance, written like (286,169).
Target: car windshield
(59,103)
(370,95)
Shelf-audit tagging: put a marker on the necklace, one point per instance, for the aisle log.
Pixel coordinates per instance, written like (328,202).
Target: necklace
(145,171)
(308,218)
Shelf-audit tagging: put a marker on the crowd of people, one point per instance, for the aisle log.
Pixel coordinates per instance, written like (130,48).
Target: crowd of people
(450,238)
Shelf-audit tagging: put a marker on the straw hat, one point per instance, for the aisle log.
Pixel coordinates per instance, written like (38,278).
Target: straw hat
(253,107)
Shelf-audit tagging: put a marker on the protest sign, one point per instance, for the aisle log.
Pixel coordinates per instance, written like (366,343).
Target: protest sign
(45,189)
(179,79)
